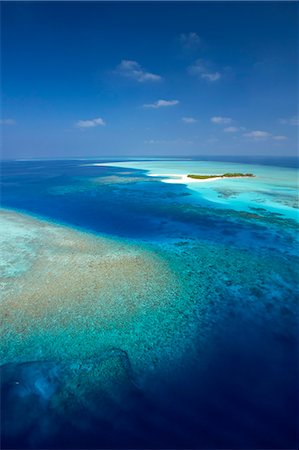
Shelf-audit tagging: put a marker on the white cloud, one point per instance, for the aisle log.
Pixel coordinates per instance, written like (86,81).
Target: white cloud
(201,69)
(189,120)
(258,134)
(290,121)
(7,122)
(280,138)
(90,123)
(211,76)
(262,135)
(133,70)
(161,104)
(221,120)
(190,41)
(231,129)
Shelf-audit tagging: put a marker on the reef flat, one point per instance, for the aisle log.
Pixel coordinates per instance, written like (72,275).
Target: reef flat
(68,294)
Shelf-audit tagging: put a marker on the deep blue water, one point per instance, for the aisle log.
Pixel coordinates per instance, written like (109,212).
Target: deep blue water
(244,396)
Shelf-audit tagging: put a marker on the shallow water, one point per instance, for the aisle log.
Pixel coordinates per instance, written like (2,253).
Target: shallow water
(273,188)
(141,314)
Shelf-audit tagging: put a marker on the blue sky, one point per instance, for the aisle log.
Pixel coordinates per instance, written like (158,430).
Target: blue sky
(140,79)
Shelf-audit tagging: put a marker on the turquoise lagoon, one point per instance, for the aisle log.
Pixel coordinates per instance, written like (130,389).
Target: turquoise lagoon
(141,312)
(273,188)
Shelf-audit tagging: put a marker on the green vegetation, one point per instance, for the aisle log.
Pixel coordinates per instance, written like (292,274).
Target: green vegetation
(225,175)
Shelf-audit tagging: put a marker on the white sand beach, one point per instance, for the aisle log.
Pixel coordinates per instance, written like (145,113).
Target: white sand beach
(181,178)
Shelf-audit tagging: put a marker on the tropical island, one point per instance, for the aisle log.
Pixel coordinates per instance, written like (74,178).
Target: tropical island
(225,175)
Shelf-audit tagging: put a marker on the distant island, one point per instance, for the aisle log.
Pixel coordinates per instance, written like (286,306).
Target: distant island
(225,175)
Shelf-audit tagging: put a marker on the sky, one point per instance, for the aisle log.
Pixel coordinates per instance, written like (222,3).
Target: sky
(84,79)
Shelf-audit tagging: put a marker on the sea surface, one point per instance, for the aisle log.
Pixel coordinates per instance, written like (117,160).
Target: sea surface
(138,311)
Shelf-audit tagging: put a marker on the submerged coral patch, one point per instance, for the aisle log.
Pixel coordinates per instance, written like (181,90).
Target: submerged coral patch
(83,294)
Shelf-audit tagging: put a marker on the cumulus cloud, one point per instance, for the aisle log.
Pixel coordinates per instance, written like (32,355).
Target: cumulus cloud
(280,138)
(214,76)
(231,129)
(202,70)
(7,122)
(290,121)
(262,135)
(190,41)
(221,120)
(90,123)
(258,134)
(133,70)
(161,104)
(188,120)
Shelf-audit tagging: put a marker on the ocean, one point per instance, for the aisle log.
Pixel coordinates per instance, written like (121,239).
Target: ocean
(139,311)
